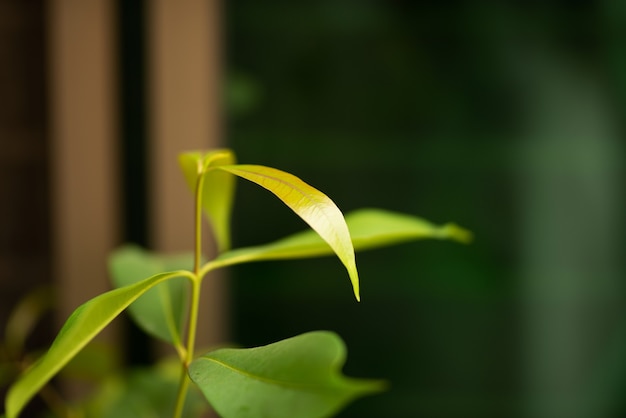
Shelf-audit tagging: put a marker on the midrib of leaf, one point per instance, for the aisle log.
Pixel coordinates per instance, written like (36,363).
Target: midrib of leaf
(277,382)
(290,187)
(319,203)
(258,254)
(334,232)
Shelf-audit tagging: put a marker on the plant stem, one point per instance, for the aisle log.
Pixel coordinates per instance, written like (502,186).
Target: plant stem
(191,341)
(182,393)
(196,282)
(198,226)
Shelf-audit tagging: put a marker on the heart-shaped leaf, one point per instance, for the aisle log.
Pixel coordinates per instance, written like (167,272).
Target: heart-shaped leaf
(369,228)
(218,189)
(313,206)
(80,328)
(160,311)
(298,377)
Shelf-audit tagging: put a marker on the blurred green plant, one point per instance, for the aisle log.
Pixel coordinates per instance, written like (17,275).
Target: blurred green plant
(296,377)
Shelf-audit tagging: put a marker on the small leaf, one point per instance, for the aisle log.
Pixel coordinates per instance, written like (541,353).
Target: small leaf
(218,189)
(191,164)
(80,328)
(313,206)
(143,392)
(294,378)
(369,229)
(160,311)
(28,312)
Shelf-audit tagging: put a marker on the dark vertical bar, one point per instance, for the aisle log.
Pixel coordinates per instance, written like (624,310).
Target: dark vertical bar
(25,186)
(133,119)
(132,75)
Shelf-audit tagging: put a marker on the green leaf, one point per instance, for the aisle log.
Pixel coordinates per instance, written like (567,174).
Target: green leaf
(294,378)
(80,328)
(313,206)
(143,392)
(218,189)
(374,228)
(24,317)
(160,311)
(369,229)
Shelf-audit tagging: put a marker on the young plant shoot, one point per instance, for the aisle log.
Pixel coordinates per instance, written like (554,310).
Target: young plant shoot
(299,377)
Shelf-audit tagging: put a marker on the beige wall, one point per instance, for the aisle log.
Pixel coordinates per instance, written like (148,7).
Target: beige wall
(183,71)
(83,129)
(184,53)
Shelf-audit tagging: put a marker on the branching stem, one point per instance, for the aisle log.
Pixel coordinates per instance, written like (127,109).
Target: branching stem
(196,284)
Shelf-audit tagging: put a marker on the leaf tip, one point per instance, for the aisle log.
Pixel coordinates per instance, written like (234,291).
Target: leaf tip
(375,386)
(354,278)
(457,233)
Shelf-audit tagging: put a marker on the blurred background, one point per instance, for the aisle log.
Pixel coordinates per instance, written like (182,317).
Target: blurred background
(505,117)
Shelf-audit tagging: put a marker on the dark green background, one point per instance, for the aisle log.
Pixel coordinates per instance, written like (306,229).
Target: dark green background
(504,117)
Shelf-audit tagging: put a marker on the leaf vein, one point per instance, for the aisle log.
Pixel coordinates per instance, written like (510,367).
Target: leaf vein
(277,382)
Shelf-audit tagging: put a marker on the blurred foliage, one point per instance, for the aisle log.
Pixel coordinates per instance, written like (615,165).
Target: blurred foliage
(143,392)
(109,390)
(24,320)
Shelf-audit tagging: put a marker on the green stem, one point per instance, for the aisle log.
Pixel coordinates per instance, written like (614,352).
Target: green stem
(196,283)
(182,393)
(191,342)
(198,226)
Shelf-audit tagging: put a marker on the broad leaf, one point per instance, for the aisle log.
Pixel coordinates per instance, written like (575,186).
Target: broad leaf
(80,328)
(160,311)
(295,378)
(218,189)
(313,206)
(369,228)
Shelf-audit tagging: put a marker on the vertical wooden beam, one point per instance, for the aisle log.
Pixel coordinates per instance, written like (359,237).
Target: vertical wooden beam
(184,70)
(83,128)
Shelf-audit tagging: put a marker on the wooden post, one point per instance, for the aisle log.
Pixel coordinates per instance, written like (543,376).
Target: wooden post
(83,129)
(184,71)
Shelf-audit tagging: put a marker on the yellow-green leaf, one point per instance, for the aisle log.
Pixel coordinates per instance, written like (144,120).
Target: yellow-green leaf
(313,206)
(218,189)
(80,328)
(369,229)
